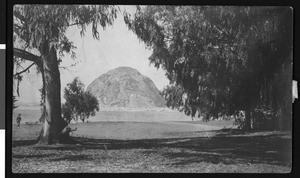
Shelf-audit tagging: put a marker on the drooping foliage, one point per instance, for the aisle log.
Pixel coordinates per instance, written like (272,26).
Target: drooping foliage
(39,37)
(224,59)
(36,25)
(79,105)
(174,96)
(14,102)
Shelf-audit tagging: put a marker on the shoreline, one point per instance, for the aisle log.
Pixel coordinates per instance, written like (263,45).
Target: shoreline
(101,108)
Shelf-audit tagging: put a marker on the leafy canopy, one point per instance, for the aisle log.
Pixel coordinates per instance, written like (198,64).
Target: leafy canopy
(222,58)
(41,27)
(38,28)
(79,104)
(39,24)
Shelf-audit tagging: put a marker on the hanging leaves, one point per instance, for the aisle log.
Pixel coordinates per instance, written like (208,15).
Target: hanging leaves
(217,54)
(48,23)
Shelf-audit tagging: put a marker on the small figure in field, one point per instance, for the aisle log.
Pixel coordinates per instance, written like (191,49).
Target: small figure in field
(19,120)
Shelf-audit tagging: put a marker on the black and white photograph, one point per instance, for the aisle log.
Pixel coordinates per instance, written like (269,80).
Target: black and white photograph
(152,89)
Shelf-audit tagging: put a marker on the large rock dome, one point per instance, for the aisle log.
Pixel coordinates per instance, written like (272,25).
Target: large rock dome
(126,87)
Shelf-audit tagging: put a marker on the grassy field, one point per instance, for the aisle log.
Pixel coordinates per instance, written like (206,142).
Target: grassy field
(32,114)
(119,130)
(143,145)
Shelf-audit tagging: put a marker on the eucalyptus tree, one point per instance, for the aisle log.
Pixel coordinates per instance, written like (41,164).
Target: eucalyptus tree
(40,37)
(225,59)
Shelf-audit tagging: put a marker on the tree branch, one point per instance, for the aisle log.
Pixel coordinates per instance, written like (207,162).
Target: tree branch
(18,27)
(18,15)
(76,23)
(18,73)
(26,55)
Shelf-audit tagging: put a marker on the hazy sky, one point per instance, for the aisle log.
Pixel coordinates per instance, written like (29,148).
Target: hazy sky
(117,47)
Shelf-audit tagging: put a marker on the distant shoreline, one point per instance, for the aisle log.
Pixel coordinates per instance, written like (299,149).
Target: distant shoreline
(135,109)
(163,109)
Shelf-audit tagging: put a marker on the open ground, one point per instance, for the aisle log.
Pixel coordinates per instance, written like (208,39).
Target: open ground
(151,141)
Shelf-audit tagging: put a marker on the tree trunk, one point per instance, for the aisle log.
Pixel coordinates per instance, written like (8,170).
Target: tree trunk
(285,103)
(54,123)
(285,117)
(247,120)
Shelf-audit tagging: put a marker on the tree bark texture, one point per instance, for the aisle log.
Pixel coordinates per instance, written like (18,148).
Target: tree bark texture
(248,119)
(54,123)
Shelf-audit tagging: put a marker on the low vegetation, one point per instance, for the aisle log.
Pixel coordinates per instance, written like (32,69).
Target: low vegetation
(79,105)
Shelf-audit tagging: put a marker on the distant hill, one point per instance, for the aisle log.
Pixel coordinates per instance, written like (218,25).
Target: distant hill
(126,87)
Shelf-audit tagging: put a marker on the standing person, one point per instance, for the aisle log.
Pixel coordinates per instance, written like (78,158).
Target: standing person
(19,120)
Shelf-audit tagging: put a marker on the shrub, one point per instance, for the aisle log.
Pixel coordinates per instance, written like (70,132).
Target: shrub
(79,104)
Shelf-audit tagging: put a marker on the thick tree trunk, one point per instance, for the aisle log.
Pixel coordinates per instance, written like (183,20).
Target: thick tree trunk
(53,124)
(285,117)
(248,119)
(285,103)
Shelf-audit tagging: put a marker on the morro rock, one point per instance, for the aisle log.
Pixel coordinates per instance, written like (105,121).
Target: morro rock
(126,87)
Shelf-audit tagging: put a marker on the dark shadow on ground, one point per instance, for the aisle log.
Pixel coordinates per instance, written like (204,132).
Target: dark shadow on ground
(32,156)
(227,147)
(72,158)
(23,143)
